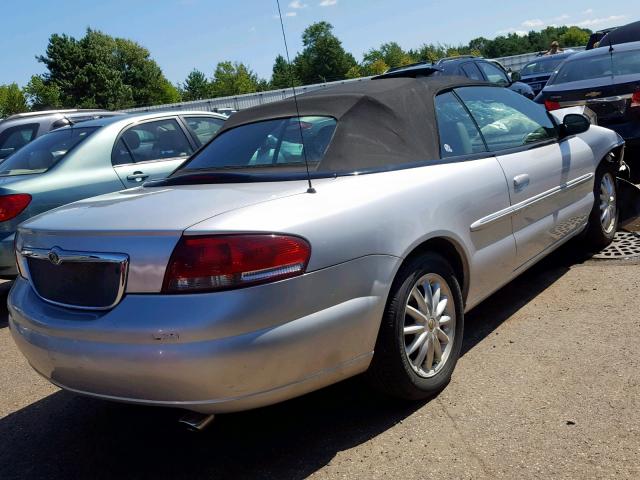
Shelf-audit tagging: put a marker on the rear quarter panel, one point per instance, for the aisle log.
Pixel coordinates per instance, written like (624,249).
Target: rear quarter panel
(392,213)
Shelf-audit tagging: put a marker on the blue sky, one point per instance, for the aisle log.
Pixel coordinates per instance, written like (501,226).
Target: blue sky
(183,34)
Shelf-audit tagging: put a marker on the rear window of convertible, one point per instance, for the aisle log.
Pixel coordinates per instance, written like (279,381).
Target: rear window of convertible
(282,144)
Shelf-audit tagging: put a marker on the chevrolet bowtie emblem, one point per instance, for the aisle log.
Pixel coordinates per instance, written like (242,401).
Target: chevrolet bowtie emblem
(593,94)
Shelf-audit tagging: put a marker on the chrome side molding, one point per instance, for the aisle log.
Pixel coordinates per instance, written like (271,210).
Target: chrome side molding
(529,202)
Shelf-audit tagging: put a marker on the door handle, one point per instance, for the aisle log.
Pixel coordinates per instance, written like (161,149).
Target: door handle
(137,176)
(520,181)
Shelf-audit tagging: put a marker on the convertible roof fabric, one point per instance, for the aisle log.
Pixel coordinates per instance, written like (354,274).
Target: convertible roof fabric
(381,123)
(625,34)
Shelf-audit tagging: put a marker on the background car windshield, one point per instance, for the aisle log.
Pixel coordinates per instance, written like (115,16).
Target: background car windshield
(621,63)
(541,66)
(44,152)
(272,143)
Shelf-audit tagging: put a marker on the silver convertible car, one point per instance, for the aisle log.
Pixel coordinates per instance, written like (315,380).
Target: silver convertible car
(92,158)
(307,244)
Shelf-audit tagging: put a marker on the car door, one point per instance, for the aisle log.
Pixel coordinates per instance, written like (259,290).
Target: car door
(549,180)
(477,179)
(150,150)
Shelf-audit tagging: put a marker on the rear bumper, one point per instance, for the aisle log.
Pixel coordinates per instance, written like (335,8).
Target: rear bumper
(211,353)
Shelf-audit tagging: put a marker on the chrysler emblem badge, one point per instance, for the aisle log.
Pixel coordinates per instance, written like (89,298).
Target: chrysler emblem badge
(54,257)
(593,94)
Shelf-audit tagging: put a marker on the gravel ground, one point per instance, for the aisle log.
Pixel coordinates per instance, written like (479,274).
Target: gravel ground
(548,387)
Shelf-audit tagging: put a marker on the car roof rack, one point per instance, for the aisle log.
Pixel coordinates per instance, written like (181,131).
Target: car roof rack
(457,57)
(414,70)
(52,112)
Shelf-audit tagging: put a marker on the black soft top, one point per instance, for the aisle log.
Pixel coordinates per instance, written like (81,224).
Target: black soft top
(381,123)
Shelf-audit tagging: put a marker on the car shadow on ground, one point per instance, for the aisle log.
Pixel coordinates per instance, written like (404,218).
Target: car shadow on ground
(65,436)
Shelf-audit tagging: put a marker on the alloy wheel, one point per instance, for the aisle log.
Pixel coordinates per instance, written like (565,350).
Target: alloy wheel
(429,325)
(608,203)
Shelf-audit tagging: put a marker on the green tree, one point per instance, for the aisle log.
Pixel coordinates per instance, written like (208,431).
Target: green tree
(323,59)
(283,75)
(390,53)
(99,71)
(233,78)
(196,86)
(574,37)
(42,95)
(12,100)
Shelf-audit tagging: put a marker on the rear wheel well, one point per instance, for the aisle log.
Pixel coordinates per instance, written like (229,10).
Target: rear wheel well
(451,252)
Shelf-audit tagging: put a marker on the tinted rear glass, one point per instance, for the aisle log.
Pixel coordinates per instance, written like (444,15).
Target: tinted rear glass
(601,66)
(272,144)
(44,152)
(544,65)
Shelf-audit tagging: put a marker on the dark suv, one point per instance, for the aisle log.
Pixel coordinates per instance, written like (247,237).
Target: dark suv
(477,68)
(607,80)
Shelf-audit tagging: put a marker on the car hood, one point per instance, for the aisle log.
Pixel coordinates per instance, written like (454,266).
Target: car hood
(158,209)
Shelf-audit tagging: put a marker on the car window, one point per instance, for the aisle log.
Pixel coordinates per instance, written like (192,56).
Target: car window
(584,69)
(507,119)
(204,128)
(14,138)
(270,143)
(494,74)
(459,134)
(472,71)
(45,151)
(544,65)
(151,141)
(626,63)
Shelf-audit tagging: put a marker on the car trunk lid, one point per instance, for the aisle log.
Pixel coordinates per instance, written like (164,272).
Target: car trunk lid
(71,247)
(609,98)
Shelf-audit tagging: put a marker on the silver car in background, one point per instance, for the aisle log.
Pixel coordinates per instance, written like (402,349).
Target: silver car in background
(91,158)
(242,280)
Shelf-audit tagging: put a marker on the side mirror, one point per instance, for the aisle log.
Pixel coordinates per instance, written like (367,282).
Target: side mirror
(515,76)
(575,123)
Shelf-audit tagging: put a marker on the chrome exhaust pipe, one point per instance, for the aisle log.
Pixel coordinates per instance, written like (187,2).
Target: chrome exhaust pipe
(196,422)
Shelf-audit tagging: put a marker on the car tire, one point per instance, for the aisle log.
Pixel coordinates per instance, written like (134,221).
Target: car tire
(405,362)
(603,219)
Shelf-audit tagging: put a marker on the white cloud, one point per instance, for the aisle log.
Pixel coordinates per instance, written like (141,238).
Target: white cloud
(328,3)
(564,19)
(291,14)
(533,23)
(596,22)
(297,4)
(520,33)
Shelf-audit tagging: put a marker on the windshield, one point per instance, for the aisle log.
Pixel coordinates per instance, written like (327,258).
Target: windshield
(546,65)
(44,152)
(601,66)
(270,145)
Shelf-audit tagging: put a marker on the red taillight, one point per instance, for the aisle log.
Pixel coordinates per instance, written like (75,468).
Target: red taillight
(222,262)
(551,105)
(635,99)
(12,205)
